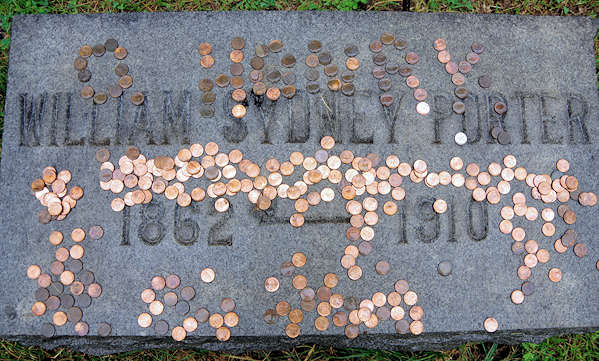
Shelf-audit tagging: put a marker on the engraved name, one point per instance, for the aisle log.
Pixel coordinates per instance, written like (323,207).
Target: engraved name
(172,117)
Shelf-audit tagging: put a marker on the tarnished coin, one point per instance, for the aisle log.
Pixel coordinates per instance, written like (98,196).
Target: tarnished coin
(137,98)
(86,92)
(121,69)
(98,50)
(84,75)
(100,98)
(314,46)
(111,44)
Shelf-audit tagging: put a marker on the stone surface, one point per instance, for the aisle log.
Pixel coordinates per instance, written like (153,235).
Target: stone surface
(541,67)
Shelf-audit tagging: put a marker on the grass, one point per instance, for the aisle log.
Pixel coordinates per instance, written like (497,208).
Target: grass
(571,347)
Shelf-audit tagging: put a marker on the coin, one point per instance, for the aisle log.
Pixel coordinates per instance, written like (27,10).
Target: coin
(288,61)
(517,297)
(484,81)
(491,324)
(314,46)
(98,50)
(207,61)
(271,284)
(178,333)
(422,108)
(84,75)
(477,48)
(555,274)
(275,46)
(411,58)
(237,43)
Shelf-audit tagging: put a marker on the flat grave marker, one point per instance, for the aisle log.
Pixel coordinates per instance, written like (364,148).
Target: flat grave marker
(239,181)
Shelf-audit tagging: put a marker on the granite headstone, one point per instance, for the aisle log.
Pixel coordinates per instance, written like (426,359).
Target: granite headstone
(459,264)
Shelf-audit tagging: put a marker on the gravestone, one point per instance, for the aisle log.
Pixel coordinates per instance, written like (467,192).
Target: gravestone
(529,91)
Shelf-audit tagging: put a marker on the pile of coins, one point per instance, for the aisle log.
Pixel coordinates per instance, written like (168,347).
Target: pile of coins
(542,187)
(319,58)
(121,70)
(68,288)
(383,68)
(59,200)
(366,175)
(265,77)
(180,302)
(458,72)
(354,311)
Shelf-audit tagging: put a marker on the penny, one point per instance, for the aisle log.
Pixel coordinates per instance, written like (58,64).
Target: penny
(379,59)
(555,274)
(231,319)
(156,307)
(115,91)
(354,272)
(459,107)
(34,271)
(100,98)
(375,46)
(38,308)
(484,81)
(158,283)
(412,81)
(420,94)
(288,61)
(580,250)
(451,67)
(98,50)
(207,275)
(237,43)
(477,48)
(84,75)
(74,314)
(542,255)
(59,318)
(411,58)
(464,67)
(85,51)
(120,53)
(292,330)
(461,92)
(172,281)
(148,295)
(444,268)
(80,63)
(352,63)
(275,46)
(235,69)
(271,284)
(517,297)
(94,290)
(207,61)
(439,44)
(347,89)
(382,267)
(491,324)
(96,232)
(443,56)
(182,307)
(298,259)
(178,333)
(500,107)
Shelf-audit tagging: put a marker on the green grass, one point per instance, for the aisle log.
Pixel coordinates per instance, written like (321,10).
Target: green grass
(572,347)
